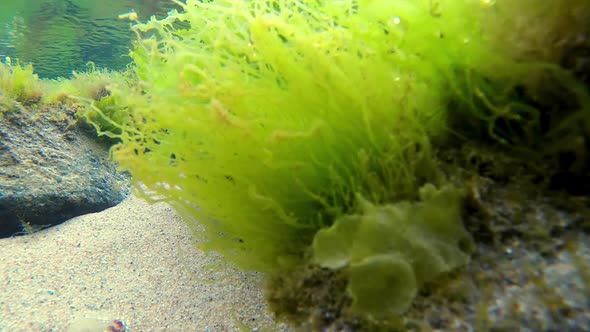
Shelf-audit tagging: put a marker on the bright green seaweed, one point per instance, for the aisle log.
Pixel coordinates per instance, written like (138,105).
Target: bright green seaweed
(271,122)
(271,116)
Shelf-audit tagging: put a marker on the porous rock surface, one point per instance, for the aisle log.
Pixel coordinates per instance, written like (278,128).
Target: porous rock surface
(51,169)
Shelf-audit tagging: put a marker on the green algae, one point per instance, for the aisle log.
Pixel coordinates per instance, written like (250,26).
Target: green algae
(393,250)
(269,122)
(271,116)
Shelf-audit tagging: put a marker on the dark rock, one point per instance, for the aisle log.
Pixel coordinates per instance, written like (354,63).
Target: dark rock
(51,170)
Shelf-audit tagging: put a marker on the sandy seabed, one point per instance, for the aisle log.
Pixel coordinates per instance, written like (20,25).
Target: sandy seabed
(136,263)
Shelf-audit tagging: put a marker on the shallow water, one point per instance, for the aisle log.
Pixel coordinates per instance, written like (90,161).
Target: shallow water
(59,36)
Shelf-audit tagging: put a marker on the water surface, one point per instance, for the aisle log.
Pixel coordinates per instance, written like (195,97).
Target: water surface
(59,36)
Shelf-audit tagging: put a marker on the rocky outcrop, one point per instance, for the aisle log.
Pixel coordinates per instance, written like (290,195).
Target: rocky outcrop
(51,169)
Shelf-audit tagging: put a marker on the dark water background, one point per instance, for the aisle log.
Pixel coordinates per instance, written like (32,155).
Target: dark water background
(58,36)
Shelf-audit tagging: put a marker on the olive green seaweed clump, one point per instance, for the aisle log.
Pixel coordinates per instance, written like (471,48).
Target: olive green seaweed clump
(533,99)
(393,250)
(266,118)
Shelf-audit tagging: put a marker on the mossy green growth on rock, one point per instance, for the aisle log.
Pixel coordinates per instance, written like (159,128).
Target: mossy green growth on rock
(264,119)
(391,250)
(18,83)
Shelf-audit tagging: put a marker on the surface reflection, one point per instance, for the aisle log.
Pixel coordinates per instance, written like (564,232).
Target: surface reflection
(59,36)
